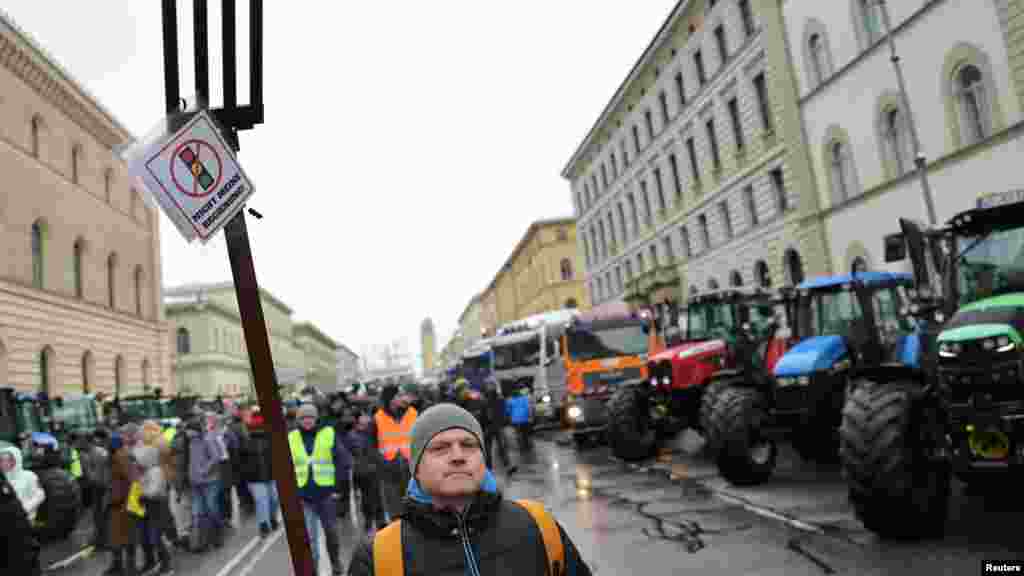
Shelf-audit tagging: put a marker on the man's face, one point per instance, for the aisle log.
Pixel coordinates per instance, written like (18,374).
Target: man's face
(452,465)
(7,463)
(307,422)
(398,403)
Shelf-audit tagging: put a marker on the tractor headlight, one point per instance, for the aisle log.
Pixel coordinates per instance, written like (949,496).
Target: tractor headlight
(666,380)
(803,381)
(1004,344)
(546,398)
(950,349)
(575,413)
(939,316)
(988,344)
(654,381)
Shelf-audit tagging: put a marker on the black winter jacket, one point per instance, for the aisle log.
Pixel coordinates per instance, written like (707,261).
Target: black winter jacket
(503,538)
(18,545)
(255,458)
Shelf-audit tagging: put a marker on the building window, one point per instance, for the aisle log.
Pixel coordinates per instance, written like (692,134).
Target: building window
(118,375)
(819,64)
(859,265)
(674,165)
(691,150)
(763,105)
(839,159)
(625,153)
(747,16)
(737,124)
(647,203)
(762,274)
(622,224)
(723,211)
(751,203)
(716,159)
(779,187)
(586,251)
(46,370)
(661,190)
(184,341)
(654,256)
(649,120)
(37,132)
(640,265)
(112,279)
(894,132)
(566,267)
(735,279)
(76,156)
(969,90)
(604,176)
(712,284)
(587,196)
(88,369)
(562,235)
(723,48)
(684,238)
(693,291)
(680,90)
(670,252)
(618,277)
(108,183)
(698,62)
(611,228)
(615,167)
(76,265)
(139,289)
(633,212)
(794,267)
(38,253)
(663,100)
(593,181)
(870,21)
(604,239)
(629,270)
(636,138)
(705,232)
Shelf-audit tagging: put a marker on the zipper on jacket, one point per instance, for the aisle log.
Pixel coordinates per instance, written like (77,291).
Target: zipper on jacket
(467,547)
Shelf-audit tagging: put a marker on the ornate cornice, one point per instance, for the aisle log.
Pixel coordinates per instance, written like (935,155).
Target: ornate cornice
(26,60)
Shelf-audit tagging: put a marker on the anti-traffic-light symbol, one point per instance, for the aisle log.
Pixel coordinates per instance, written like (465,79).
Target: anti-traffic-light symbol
(199,172)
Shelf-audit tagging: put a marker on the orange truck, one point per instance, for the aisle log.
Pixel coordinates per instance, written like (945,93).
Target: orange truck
(603,348)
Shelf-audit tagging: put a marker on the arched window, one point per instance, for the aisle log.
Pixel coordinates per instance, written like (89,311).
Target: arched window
(794,267)
(693,291)
(184,341)
(76,163)
(139,289)
(896,143)
(566,267)
(76,264)
(108,183)
(762,274)
(969,89)
(146,385)
(563,236)
(46,371)
(38,252)
(870,21)
(571,303)
(712,284)
(736,279)
(88,372)
(816,50)
(3,362)
(37,133)
(118,375)
(838,160)
(859,265)
(112,279)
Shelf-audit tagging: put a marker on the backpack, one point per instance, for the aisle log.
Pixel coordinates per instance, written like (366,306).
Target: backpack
(387,545)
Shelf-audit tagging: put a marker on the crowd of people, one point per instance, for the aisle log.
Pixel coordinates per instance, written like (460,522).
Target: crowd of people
(153,491)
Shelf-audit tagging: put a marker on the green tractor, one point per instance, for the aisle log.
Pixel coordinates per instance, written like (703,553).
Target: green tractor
(24,423)
(906,432)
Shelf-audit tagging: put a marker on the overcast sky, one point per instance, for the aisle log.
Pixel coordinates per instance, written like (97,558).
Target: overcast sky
(406,145)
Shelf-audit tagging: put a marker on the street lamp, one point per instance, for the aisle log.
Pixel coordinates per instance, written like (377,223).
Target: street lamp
(919,158)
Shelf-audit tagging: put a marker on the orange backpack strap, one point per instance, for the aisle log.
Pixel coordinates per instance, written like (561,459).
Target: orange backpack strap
(549,531)
(387,551)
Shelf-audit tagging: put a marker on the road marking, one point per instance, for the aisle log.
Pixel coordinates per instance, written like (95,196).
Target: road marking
(87,551)
(262,551)
(768,513)
(238,557)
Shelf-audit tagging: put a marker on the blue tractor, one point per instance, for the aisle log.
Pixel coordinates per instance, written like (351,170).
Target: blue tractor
(840,322)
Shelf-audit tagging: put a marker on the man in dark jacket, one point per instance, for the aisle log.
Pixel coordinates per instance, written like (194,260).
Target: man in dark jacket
(321,460)
(455,520)
(255,469)
(18,544)
(390,446)
(493,423)
(364,470)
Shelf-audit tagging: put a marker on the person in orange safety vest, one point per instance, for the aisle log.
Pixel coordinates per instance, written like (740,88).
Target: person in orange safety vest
(390,438)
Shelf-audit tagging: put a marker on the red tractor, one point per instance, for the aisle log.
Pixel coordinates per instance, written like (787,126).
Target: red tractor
(646,414)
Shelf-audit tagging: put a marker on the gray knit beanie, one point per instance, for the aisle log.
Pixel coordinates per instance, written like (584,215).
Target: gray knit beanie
(306,410)
(435,420)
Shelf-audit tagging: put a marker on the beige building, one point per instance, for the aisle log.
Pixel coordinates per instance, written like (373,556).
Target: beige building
(210,355)
(540,275)
(80,276)
(319,353)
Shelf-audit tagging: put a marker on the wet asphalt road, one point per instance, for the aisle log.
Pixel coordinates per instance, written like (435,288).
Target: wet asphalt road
(677,516)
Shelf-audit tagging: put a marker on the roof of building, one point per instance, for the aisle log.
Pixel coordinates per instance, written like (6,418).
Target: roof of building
(198,287)
(530,231)
(347,350)
(626,82)
(315,332)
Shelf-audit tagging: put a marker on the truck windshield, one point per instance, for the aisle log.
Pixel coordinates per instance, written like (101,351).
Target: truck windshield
(834,312)
(77,414)
(518,354)
(611,342)
(705,319)
(991,265)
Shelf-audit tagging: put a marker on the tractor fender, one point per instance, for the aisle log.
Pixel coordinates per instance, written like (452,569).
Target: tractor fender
(811,355)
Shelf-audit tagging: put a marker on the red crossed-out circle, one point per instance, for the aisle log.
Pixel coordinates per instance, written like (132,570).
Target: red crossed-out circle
(196,191)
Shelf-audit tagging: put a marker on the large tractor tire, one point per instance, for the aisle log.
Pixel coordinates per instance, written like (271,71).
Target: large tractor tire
(745,456)
(897,490)
(59,514)
(710,403)
(630,433)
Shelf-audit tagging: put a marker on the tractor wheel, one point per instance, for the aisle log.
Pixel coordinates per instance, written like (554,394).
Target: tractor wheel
(711,403)
(745,455)
(896,490)
(631,437)
(59,514)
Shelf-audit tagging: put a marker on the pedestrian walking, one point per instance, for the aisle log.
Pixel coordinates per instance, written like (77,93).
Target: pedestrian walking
(254,447)
(320,459)
(456,520)
(96,467)
(18,544)
(25,482)
(493,422)
(390,437)
(518,407)
(181,500)
(123,524)
(153,458)
(206,454)
(364,471)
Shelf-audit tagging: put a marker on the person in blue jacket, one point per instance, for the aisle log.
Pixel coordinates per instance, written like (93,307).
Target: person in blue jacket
(518,409)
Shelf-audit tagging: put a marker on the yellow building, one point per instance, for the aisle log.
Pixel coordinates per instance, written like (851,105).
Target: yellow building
(541,275)
(319,355)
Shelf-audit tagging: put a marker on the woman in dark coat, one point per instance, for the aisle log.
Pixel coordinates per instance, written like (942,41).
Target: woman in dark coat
(123,526)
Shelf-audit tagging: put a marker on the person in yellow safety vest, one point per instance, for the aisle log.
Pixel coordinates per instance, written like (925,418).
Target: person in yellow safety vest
(320,460)
(390,439)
